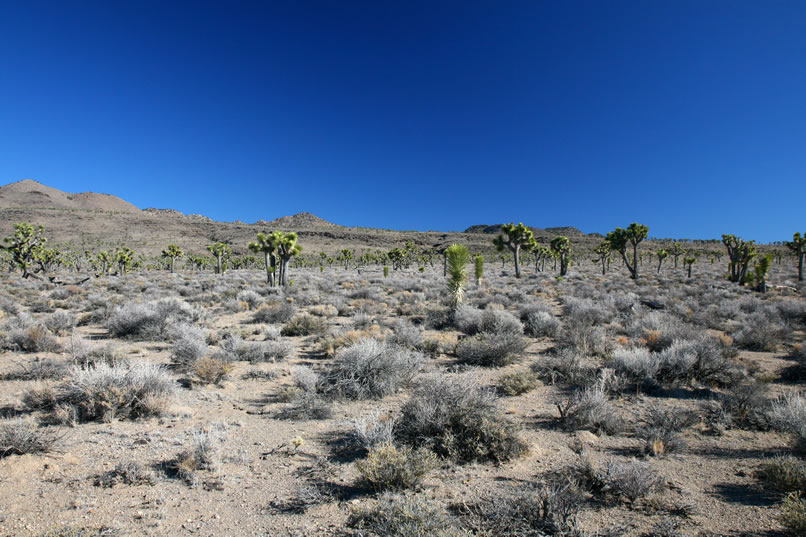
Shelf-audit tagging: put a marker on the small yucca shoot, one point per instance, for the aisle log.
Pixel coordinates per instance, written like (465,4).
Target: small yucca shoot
(457,257)
(479,265)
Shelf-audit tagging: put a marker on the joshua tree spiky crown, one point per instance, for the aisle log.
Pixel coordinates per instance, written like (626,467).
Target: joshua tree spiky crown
(798,245)
(514,238)
(562,247)
(172,252)
(220,251)
(264,245)
(620,239)
(25,245)
(740,252)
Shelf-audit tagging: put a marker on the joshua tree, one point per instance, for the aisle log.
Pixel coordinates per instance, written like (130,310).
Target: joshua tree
(760,274)
(689,261)
(604,251)
(221,252)
(478,261)
(172,252)
(740,253)
(104,259)
(662,255)
(25,245)
(514,238)
(676,251)
(263,245)
(621,238)
(541,253)
(457,256)
(124,257)
(345,256)
(798,246)
(287,247)
(48,259)
(562,247)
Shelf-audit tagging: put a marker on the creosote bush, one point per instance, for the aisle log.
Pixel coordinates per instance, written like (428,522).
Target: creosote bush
(458,420)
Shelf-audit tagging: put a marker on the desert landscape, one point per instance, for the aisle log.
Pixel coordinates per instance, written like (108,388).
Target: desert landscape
(166,374)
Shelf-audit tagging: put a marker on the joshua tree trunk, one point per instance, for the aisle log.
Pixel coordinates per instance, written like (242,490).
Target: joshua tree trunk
(517,252)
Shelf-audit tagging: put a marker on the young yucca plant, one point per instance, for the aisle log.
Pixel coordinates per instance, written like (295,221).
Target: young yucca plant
(479,265)
(456,258)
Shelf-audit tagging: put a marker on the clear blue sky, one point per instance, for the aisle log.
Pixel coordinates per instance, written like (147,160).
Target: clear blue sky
(688,116)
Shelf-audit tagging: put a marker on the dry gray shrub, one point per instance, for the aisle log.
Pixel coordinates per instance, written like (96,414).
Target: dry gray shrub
(491,349)
(126,473)
(19,436)
(388,467)
(589,409)
(275,313)
(632,480)
(405,515)
(263,351)
(372,369)
(458,420)
(371,429)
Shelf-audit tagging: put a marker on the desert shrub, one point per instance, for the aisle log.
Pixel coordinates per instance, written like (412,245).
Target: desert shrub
(760,331)
(746,405)
(518,383)
(189,348)
(405,515)
(263,351)
(788,414)
(587,311)
(388,467)
(72,531)
(123,390)
(372,369)
(631,480)
(661,430)
(702,359)
(203,453)
(467,319)
(210,370)
(228,345)
(583,338)
(19,436)
(589,409)
(784,474)
(150,320)
(566,366)
(303,325)
(126,473)
(459,421)
(792,310)
(60,322)
(307,406)
(406,334)
(362,320)
(275,313)
(494,321)
(38,369)
(532,511)
(33,338)
(371,430)
(793,514)
(251,298)
(541,324)
(637,366)
(660,330)
(490,349)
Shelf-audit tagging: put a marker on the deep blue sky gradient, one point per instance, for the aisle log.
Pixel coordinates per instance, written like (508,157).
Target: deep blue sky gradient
(688,116)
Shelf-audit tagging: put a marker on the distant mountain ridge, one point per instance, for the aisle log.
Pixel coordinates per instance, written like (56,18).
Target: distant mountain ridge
(299,221)
(30,193)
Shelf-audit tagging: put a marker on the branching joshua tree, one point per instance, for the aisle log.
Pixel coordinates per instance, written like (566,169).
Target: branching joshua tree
(562,247)
(798,246)
(48,259)
(25,245)
(345,256)
(689,261)
(541,253)
(263,245)
(604,251)
(759,275)
(124,258)
(287,247)
(457,256)
(740,252)
(620,239)
(662,255)
(514,238)
(676,251)
(172,252)
(104,261)
(221,252)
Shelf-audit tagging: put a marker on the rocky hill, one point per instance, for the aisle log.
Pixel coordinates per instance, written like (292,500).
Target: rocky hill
(29,193)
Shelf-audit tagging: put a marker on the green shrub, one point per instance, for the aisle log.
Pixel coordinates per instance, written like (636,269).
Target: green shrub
(405,515)
(390,468)
(518,383)
(793,514)
(784,474)
(303,325)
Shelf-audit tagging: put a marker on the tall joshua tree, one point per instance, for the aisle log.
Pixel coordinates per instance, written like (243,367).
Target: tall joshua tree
(345,255)
(562,247)
(172,252)
(603,251)
(620,239)
(457,257)
(25,246)
(688,262)
(264,245)
(220,251)
(124,257)
(798,246)
(514,238)
(740,252)
(676,251)
(287,247)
